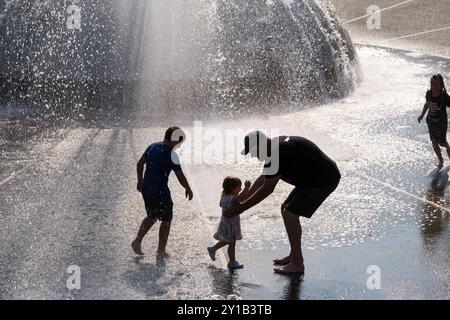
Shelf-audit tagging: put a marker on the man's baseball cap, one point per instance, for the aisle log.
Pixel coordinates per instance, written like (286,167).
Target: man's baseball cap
(252,141)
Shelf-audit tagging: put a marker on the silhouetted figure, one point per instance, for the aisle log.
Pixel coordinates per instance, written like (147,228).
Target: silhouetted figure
(301,163)
(160,160)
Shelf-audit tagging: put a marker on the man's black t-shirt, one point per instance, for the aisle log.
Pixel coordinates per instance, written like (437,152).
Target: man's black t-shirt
(301,163)
(438,108)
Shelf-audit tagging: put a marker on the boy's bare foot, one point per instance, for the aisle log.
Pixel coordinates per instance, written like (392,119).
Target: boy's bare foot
(282,261)
(136,245)
(290,269)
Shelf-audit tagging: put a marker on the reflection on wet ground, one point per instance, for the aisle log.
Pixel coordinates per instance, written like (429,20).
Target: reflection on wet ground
(77,204)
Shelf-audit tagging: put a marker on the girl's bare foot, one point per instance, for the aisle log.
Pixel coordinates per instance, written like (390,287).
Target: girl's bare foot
(136,245)
(162,255)
(289,269)
(282,261)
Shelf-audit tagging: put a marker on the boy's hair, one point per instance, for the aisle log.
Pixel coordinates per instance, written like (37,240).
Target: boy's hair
(174,134)
(439,78)
(229,184)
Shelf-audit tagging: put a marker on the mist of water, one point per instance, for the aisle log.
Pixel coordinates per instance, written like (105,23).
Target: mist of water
(178,56)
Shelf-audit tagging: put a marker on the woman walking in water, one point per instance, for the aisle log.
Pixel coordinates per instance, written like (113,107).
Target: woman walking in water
(437,101)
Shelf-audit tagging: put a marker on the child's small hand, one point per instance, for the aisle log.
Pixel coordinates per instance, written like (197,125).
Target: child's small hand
(189,194)
(420,118)
(248,184)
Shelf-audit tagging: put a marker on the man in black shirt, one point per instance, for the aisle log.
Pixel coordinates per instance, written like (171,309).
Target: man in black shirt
(300,163)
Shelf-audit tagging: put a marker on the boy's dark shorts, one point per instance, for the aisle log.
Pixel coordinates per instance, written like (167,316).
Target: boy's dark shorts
(159,208)
(304,201)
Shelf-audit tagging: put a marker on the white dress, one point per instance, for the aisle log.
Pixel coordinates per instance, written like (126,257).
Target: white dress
(229,228)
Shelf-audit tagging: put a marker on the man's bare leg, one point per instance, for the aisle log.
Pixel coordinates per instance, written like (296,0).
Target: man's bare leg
(283,261)
(146,225)
(294,231)
(164,231)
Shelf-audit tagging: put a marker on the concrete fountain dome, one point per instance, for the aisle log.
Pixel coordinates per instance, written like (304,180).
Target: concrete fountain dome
(177,55)
(315,53)
(226,55)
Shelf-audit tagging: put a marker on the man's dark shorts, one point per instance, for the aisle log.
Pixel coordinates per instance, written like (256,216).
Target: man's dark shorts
(159,208)
(305,201)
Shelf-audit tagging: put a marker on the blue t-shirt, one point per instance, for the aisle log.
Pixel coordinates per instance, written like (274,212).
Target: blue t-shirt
(161,160)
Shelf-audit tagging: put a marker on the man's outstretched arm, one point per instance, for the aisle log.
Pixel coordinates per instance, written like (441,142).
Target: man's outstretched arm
(183,181)
(259,195)
(255,186)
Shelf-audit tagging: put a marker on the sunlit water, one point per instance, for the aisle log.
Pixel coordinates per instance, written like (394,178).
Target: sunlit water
(175,56)
(76,203)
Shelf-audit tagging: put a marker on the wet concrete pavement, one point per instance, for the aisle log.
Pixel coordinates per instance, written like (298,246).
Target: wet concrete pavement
(398,19)
(75,203)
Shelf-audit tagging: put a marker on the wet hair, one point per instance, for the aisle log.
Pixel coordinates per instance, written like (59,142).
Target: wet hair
(229,184)
(440,78)
(174,134)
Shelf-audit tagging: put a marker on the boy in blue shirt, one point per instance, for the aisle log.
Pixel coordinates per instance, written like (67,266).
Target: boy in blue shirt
(160,160)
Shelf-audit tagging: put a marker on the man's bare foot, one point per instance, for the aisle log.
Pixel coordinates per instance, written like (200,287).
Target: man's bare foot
(136,245)
(290,269)
(282,261)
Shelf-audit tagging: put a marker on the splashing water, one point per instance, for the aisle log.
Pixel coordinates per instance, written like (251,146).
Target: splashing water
(202,56)
(226,56)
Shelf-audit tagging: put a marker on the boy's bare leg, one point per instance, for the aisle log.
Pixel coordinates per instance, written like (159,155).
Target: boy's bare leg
(146,225)
(437,150)
(164,231)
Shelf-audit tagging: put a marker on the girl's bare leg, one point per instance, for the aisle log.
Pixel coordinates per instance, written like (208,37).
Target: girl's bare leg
(219,245)
(437,150)
(447,147)
(232,251)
